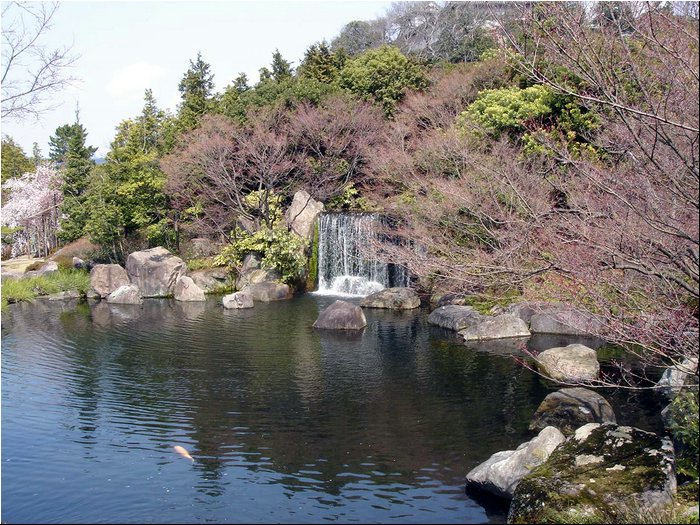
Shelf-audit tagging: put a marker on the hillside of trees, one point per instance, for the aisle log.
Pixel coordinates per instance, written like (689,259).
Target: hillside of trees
(544,151)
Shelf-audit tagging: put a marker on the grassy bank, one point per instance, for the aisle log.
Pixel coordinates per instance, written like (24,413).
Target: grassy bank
(15,290)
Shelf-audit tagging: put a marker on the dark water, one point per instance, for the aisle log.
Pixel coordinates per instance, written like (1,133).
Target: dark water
(287,424)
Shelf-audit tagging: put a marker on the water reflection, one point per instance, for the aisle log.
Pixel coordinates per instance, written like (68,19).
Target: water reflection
(376,425)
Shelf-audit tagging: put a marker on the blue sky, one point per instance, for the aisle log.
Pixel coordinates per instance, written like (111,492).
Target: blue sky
(128,46)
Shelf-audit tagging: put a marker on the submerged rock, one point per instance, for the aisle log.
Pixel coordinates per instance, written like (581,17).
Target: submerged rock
(341,315)
(570,408)
(599,471)
(398,298)
(238,300)
(501,473)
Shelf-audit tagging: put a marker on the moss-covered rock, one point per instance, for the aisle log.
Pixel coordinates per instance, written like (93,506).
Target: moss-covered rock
(570,408)
(600,470)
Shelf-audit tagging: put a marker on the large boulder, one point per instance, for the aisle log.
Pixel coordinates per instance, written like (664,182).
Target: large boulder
(187,290)
(237,300)
(598,472)
(302,213)
(155,271)
(454,317)
(267,292)
(570,363)
(127,294)
(394,298)
(498,327)
(105,278)
(501,473)
(341,315)
(562,319)
(570,408)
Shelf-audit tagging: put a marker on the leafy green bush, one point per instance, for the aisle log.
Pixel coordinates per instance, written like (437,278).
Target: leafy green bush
(382,75)
(684,427)
(535,114)
(279,248)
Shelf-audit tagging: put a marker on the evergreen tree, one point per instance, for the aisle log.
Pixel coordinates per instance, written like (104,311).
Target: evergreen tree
(196,92)
(281,69)
(77,164)
(322,64)
(240,84)
(36,154)
(128,194)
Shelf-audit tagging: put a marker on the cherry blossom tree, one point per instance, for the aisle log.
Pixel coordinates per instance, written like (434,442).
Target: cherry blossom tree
(31,204)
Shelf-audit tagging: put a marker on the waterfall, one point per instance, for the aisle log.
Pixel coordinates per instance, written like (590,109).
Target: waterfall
(345,266)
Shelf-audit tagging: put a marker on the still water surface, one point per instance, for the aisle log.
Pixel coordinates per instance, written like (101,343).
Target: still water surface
(287,424)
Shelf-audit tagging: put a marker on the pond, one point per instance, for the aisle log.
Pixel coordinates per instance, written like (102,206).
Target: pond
(286,424)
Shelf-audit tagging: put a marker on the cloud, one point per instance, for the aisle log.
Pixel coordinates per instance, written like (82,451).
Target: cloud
(130,81)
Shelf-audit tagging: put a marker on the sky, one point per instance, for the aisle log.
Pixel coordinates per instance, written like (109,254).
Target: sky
(125,47)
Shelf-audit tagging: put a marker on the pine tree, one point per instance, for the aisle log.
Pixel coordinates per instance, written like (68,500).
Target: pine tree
(76,164)
(195,90)
(281,69)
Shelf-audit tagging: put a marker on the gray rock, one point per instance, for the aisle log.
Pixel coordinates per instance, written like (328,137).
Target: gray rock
(250,262)
(443,299)
(570,363)
(187,290)
(601,469)
(341,315)
(155,271)
(105,278)
(502,472)
(302,213)
(393,298)
(256,276)
(127,294)
(267,292)
(64,296)
(209,279)
(47,268)
(78,263)
(499,327)
(570,408)
(675,377)
(454,317)
(561,319)
(238,300)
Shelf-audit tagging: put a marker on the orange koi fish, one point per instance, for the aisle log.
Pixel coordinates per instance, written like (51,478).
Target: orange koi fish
(180,450)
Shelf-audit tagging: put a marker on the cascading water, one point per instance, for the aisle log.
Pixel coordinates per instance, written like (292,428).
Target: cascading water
(345,267)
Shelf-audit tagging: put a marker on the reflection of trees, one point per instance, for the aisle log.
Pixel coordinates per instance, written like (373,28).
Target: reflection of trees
(260,389)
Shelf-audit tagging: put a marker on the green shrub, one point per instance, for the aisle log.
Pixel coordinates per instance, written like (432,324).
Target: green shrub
(684,427)
(280,250)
